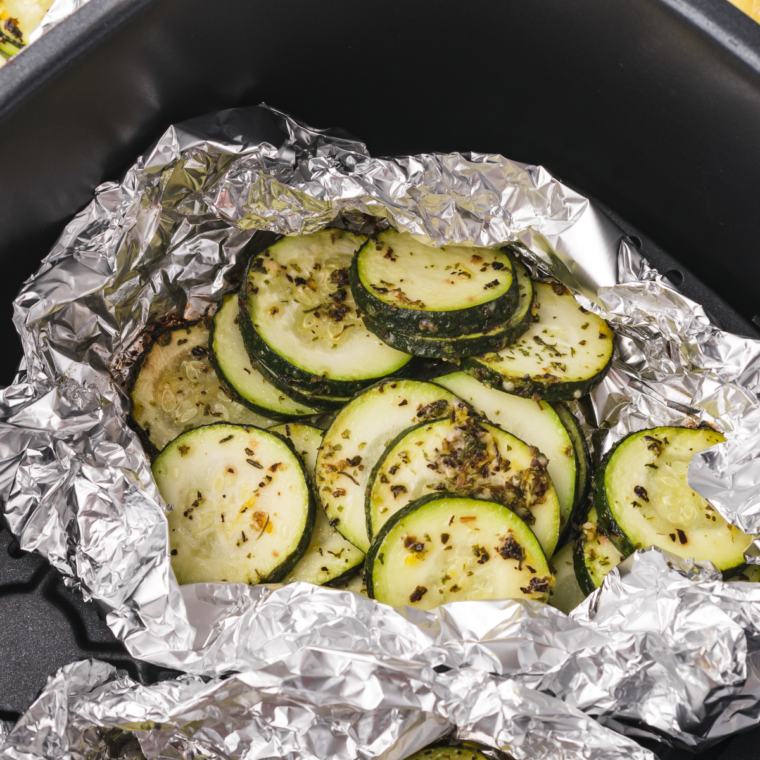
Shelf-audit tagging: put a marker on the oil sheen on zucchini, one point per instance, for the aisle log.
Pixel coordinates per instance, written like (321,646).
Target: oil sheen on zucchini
(594,555)
(494,338)
(563,355)
(459,455)
(405,285)
(447,752)
(330,559)
(299,319)
(232,364)
(643,499)
(241,505)
(535,422)
(444,548)
(566,593)
(582,456)
(359,435)
(177,389)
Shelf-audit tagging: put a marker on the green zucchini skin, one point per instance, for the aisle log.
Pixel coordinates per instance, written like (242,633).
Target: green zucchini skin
(546,389)
(581,571)
(449,324)
(583,460)
(447,752)
(610,527)
(494,338)
(274,414)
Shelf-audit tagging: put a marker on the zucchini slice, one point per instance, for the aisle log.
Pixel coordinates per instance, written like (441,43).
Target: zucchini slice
(233,365)
(298,317)
(405,285)
(461,456)
(358,437)
(492,339)
(355,583)
(536,423)
(242,508)
(594,555)
(563,355)
(447,752)
(177,389)
(566,593)
(643,499)
(322,403)
(444,548)
(582,456)
(330,559)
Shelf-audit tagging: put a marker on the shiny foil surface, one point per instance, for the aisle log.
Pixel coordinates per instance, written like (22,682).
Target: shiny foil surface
(665,649)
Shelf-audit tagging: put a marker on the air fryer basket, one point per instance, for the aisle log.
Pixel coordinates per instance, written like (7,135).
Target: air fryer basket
(652,106)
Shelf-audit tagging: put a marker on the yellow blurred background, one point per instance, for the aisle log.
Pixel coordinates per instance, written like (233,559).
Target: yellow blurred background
(750,7)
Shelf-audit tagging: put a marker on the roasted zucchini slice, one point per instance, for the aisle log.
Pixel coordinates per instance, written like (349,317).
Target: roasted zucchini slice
(461,456)
(493,338)
(177,389)
(594,555)
(241,508)
(563,355)
(643,498)
(330,559)
(444,548)
(566,593)
(402,284)
(233,365)
(358,437)
(299,319)
(535,422)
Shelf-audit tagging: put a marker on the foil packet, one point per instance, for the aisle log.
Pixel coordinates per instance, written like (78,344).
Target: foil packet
(664,650)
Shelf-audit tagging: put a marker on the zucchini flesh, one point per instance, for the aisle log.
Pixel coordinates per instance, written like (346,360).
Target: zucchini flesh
(241,505)
(355,583)
(493,338)
(299,319)
(233,365)
(177,389)
(447,291)
(444,548)
(643,499)
(358,437)
(566,594)
(594,555)
(447,752)
(459,455)
(329,559)
(536,423)
(563,355)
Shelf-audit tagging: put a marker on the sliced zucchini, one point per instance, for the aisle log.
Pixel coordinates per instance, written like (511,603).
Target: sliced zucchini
(241,507)
(177,389)
(459,455)
(355,583)
(405,285)
(582,456)
(535,422)
(750,574)
(563,355)
(322,403)
(233,365)
(594,555)
(299,319)
(444,548)
(330,559)
(566,594)
(643,499)
(492,339)
(447,752)
(358,437)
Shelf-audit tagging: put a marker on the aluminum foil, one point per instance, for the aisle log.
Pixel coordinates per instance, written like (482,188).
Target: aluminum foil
(58,11)
(664,650)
